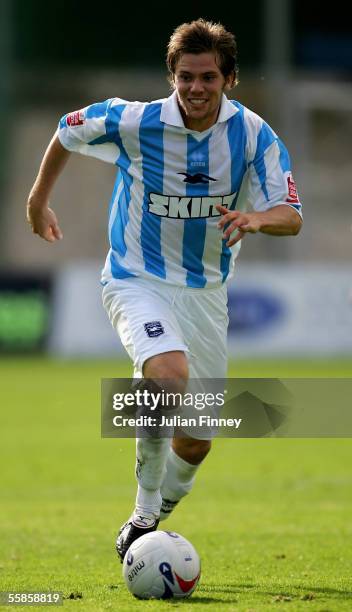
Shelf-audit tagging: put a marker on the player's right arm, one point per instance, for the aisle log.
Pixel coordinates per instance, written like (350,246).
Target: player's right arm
(92,131)
(40,216)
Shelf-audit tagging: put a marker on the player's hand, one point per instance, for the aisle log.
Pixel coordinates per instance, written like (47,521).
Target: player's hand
(242,222)
(43,222)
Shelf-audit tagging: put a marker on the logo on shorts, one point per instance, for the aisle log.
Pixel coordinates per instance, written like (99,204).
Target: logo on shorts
(154,329)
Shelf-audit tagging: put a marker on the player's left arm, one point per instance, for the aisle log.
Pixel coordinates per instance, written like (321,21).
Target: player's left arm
(281,220)
(268,187)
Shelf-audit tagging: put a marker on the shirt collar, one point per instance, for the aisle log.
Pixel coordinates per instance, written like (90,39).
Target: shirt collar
(171,114)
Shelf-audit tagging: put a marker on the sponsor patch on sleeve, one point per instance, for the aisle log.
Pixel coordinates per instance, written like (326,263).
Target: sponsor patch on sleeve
(292,197)
(76,118)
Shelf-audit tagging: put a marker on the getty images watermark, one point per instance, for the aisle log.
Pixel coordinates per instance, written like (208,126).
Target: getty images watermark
(246,408)
(205,408)
(155,408)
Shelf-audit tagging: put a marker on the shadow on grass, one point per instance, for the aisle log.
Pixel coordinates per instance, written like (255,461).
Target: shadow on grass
(326,591)
(299,592)
(196,600)
(199,598)
(295,592)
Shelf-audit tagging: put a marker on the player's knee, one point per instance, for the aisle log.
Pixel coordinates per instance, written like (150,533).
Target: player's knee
(171,367)
(191,450)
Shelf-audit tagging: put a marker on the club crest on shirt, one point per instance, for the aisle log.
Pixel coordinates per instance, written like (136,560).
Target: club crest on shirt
(198,177)
(76,118)
(187,207)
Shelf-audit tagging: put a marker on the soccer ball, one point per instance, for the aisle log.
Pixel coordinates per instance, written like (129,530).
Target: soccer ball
(161,565)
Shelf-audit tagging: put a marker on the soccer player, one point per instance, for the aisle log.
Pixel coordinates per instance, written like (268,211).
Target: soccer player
(196,173)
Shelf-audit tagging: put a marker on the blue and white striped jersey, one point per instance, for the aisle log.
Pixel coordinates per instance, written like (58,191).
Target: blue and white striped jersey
(163,220)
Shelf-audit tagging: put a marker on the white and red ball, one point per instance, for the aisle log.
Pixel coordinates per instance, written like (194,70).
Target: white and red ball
(161,565)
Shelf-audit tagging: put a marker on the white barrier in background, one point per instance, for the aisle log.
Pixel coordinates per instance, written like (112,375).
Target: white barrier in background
(274,310)
(80,326)
(291,309)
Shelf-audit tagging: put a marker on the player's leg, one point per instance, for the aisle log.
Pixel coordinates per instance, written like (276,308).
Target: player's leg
(153,339)
(185,457)
(206,313)
(152,452)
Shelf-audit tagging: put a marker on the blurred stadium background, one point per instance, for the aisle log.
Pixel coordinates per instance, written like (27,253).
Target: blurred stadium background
(291,296)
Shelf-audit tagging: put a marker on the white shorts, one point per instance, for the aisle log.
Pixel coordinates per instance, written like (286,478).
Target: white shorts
(152,317)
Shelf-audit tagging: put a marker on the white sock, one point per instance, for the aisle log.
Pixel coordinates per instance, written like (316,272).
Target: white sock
(179,479)
(148,502)
(151,455)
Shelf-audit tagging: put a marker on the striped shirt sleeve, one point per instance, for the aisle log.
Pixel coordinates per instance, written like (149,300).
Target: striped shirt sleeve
(89,131)
(270,181)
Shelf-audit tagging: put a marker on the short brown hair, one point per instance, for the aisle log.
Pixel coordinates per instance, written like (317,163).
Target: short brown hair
(202,36)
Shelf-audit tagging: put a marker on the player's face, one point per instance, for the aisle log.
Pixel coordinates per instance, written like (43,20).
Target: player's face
(199,83)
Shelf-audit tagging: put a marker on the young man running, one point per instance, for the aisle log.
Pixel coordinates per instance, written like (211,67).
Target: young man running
(189,168)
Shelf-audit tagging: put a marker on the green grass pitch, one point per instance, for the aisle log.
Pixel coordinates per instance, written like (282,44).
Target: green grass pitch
(271,518)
